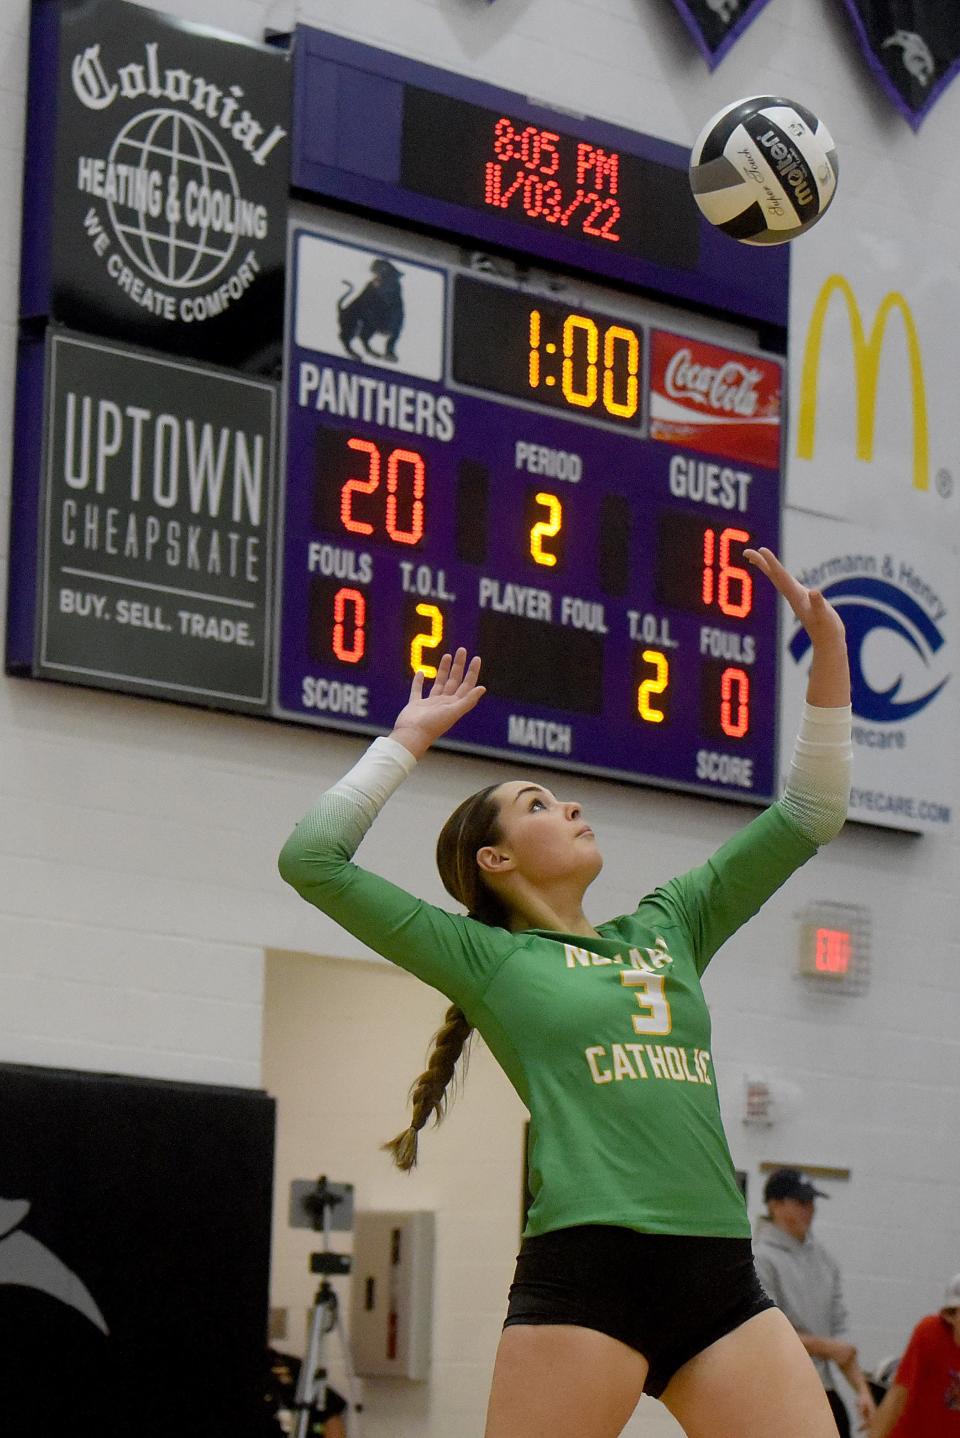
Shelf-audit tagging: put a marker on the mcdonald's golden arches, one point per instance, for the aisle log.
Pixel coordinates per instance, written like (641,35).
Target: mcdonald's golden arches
(866,363)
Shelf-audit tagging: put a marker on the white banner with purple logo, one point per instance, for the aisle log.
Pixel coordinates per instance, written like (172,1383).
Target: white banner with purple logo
(912,46)
(717,24)
(897,598)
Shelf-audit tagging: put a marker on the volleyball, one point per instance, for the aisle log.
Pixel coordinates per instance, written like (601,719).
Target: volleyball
(763,170)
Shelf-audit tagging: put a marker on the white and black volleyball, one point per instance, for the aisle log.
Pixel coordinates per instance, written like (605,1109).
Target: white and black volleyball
(763,170)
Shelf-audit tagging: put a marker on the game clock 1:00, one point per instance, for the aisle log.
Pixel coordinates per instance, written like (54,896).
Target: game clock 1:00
(529,347)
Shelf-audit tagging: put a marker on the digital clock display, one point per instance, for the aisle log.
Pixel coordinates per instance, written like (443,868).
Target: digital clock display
(550,178)
(450,154)
(469,464)
(557,355)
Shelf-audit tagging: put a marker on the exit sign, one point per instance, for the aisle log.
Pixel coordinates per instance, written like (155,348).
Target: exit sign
(834,951)
(828,954)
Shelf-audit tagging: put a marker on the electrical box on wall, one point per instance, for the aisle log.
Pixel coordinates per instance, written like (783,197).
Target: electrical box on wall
(391,1317)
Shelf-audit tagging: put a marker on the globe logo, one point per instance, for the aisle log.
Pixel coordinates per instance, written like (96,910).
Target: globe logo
(173,243)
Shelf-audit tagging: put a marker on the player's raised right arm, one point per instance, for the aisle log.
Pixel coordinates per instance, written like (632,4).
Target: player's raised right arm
(454,692)
(453,954)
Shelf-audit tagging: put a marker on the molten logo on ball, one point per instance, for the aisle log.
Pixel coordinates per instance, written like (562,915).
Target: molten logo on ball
(790,167)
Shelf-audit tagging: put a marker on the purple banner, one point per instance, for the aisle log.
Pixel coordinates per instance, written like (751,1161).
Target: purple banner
(717,24)
(913,47)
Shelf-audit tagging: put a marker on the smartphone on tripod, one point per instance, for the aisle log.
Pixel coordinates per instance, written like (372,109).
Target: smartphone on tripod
(324,1207)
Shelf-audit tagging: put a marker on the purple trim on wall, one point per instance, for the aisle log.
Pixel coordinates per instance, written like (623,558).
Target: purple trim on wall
(25,492)
(913,116)
(350,54)
(36,239)
(713,57)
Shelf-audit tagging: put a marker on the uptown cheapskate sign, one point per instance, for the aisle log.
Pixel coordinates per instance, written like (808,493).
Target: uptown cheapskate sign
(168,150)
(142,549)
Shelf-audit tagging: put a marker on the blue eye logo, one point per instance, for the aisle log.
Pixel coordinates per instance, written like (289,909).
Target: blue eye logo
(866,605)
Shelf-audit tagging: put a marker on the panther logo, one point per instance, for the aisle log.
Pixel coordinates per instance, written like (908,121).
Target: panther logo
(917,57)
(376,310)
(867,605)
(725,9)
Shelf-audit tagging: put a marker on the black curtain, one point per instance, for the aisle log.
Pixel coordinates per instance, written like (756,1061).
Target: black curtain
(134,1256)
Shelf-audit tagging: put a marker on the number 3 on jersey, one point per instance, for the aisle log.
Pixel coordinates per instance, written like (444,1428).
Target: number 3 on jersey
(654,1016)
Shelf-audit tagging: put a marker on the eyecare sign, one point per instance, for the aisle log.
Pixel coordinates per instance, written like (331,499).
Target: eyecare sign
(155,523)
(897,599)
(156,182)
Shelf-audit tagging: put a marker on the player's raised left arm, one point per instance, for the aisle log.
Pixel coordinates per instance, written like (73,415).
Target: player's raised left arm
(828,686)
(818,782)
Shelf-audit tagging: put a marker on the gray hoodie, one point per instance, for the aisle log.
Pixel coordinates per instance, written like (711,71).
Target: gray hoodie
(803,1280)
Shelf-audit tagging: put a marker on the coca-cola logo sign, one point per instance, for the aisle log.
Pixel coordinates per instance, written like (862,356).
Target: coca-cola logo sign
(715,400)
(729,388)
(170,200)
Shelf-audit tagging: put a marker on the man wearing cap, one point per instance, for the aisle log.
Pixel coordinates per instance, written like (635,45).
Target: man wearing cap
(804,1281)
(923,1400)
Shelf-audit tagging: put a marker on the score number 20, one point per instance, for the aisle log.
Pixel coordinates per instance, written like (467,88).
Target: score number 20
(388,501)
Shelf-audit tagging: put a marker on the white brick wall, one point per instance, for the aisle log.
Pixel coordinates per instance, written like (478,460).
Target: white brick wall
(138,887)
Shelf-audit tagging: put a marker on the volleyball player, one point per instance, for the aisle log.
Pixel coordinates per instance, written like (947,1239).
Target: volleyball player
(635,1273)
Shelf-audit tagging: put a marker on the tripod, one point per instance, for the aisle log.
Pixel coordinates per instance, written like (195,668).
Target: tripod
(311,1395)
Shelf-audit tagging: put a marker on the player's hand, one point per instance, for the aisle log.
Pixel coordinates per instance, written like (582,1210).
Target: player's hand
(453,693)
(818,617)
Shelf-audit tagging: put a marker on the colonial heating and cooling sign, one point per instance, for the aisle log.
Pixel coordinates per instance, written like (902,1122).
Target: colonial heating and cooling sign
(157,181)
(154,509)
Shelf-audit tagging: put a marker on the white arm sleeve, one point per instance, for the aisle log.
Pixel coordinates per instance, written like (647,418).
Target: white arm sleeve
(346,811)
(817,790)
(377,774)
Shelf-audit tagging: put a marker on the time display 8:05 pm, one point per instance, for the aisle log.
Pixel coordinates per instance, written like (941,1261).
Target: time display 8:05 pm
(558,355)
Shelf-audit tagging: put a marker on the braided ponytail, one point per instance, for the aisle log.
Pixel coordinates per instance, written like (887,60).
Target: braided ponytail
(476,822)
(428,1093)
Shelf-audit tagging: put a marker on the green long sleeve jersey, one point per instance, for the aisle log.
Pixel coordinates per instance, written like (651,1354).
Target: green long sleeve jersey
(606,1041)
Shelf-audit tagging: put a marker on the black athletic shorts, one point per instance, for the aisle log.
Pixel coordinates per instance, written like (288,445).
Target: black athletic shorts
(668,1296)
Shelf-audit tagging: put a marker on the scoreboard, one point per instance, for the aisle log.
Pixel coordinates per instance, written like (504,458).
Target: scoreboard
(530,404)
(533,407)
(555,482)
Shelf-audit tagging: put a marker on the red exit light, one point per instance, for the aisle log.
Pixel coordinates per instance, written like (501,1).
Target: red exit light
(832,955)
